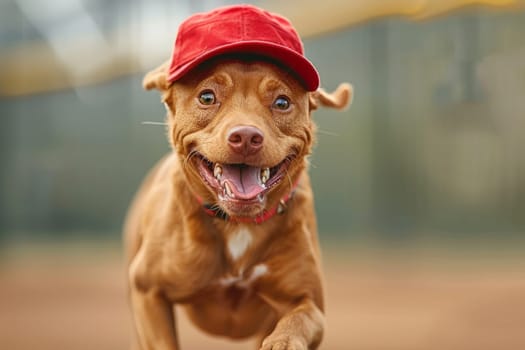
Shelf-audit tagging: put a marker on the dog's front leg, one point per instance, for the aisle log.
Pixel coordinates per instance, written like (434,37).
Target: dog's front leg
(299,329)
(154,320)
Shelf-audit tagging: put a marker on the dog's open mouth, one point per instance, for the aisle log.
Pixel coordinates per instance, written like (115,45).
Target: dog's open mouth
(241,183)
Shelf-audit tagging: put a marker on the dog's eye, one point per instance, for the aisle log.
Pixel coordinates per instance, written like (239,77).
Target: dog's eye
(207,98)
(282,103)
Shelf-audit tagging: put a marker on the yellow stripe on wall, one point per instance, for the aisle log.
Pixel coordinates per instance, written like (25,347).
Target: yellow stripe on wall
(314,17)
(33,68)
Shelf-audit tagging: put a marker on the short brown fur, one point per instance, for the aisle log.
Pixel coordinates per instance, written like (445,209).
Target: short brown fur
(268,287)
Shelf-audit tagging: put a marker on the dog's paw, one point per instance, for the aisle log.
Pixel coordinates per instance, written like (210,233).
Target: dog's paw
(283,342)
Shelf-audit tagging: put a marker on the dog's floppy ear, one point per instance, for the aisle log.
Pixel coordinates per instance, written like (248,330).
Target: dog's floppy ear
(157,78)
(341,98)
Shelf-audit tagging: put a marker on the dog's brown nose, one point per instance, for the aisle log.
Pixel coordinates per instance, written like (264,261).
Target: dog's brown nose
(245,140)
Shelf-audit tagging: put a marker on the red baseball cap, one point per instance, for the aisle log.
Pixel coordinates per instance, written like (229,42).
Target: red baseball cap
(240,29)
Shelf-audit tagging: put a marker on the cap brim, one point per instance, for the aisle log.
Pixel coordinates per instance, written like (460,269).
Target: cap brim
(290,59)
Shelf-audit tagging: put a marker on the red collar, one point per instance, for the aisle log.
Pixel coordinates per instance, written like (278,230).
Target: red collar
(214,211)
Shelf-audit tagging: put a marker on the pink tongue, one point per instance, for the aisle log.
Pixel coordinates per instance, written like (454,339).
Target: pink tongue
(244,180)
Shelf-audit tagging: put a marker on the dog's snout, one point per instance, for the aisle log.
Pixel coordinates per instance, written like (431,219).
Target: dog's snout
(245,140)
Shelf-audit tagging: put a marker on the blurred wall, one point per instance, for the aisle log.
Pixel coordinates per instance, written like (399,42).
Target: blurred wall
(433,141)
(432,145)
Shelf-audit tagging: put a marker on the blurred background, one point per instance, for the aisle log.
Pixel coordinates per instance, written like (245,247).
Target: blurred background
(420,185)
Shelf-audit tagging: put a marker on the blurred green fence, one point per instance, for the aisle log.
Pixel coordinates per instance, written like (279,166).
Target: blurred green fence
(433,143)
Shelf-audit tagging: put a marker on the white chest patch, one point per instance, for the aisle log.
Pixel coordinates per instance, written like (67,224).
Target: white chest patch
(245,281)
(239,242)
(258,271)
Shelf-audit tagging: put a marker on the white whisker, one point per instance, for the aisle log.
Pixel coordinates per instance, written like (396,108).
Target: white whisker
(189,157)
(154,123)
(326,132)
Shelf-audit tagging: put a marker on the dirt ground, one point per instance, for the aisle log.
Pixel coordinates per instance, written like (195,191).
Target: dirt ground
(74,298)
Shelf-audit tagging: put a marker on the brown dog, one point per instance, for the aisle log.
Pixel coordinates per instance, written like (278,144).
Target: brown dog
(224,226)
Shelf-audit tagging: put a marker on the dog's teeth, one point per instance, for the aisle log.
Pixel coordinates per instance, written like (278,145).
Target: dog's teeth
(260,197)
(217,171)
(228,190)
(265,175)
